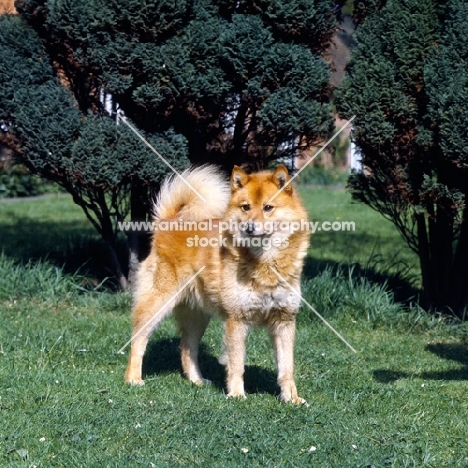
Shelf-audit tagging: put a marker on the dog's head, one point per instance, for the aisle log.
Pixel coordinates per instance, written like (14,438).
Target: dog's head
(264,205)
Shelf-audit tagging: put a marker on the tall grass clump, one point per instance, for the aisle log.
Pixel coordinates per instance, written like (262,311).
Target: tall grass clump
(346,292)
(40,280)
(338,291)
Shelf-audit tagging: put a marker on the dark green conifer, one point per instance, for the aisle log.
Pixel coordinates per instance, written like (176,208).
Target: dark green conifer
(407,84)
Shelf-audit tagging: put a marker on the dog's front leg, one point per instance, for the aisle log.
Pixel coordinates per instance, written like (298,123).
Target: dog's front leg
(133,372)
(282,335)
(235,334)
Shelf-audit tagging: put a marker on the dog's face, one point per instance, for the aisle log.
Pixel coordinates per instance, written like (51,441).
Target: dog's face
(263,205)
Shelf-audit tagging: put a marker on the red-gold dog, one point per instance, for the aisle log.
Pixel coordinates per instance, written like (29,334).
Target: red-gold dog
(244,258)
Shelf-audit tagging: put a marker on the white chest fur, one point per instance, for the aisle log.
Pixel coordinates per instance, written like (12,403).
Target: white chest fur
(258,306)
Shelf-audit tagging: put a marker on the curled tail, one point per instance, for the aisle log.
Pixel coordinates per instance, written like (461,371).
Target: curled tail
(200,193)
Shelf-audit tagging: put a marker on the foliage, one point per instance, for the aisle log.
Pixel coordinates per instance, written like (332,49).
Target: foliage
(302,21)
(208,81)
(364,8)
(407,85)
(238,80)
(96,161)
(347,7)
(16,181)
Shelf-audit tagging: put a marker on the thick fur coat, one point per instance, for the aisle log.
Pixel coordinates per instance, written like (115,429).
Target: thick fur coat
(239,261)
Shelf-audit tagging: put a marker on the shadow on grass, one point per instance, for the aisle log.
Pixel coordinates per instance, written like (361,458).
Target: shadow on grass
(451,351)
(454,352)
(162,357)
(73,246)
(388,376)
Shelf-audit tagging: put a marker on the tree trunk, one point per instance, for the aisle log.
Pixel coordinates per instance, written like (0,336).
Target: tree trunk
(425,262)
(116,266)
(238,138)
(109,236)
(459,285)
(441,242)
(444,270)
(138,241)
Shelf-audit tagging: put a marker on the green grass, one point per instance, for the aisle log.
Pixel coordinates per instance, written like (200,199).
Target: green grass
(399,402)
(373,238)
(52,227)
(374,248)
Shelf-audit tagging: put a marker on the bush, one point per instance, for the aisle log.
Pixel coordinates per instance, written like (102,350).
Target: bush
(319,175)
(18,182)
(407,84)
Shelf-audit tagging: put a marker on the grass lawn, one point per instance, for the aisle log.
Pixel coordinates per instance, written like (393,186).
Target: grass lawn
(399,402)
(374,244)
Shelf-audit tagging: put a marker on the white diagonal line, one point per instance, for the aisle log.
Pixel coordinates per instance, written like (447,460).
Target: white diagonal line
(161,309)
(298,294)
(311,159)
(157,153)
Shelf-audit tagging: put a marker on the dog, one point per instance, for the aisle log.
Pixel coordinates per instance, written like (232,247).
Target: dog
(240,261)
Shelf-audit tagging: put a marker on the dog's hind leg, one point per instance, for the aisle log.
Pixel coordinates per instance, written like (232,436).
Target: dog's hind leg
(192,324)
(148,313)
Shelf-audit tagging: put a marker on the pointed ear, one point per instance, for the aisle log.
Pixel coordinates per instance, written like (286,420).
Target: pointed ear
(281,179)
(238,178)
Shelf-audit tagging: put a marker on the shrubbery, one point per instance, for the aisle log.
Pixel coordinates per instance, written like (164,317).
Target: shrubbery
(18,182)
(407,84)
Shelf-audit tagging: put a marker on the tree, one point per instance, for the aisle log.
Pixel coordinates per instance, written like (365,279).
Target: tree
(363,8)
(407,83)
(242,81)
(93,159)
(213,81)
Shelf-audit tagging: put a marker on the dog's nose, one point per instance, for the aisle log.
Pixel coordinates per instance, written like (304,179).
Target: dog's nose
(254,229)
(250,229)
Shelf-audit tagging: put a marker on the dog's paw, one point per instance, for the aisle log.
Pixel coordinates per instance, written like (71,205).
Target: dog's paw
(237,395)
(200,382)
(136,382)
(295,400)
(298,401)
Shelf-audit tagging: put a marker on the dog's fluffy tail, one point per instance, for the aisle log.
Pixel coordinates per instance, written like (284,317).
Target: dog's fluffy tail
(180,197)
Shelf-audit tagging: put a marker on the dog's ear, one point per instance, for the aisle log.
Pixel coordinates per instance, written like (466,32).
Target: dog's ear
(238,178)
(281,178)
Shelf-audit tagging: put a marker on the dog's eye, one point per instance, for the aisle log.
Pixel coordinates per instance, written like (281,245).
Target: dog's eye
(245,207)
(268,208)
